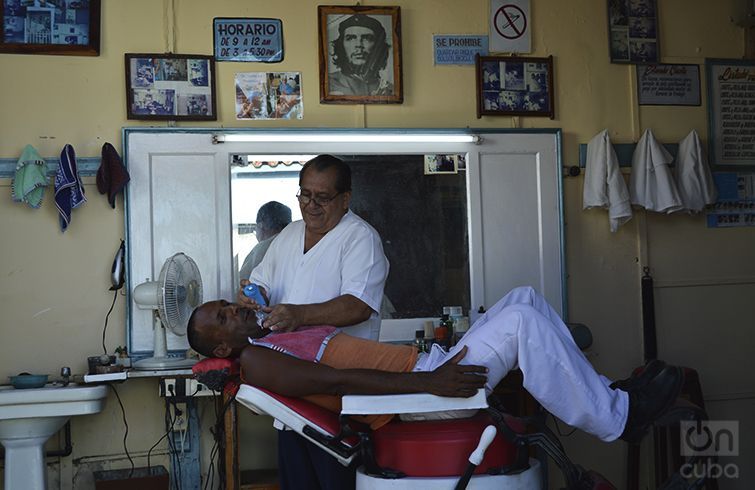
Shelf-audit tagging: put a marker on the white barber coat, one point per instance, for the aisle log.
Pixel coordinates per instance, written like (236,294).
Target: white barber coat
(604,185)
(651,184)
(349,259)
(693,178)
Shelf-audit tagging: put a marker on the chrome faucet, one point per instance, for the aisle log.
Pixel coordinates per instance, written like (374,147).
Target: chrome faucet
(65,374)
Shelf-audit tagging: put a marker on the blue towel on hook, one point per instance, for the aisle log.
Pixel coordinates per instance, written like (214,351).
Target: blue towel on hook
(69,192)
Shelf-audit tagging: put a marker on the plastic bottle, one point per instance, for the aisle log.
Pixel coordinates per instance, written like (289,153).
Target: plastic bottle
(442,332)
(419,340)
(455,316)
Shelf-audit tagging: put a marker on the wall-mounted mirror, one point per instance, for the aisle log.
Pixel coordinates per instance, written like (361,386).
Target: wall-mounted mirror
(420,213)
(460,235)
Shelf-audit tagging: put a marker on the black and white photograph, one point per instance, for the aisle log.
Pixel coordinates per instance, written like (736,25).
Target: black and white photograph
(144,74)
(642,27)
(510,100)
(537,74)
(441,164)
(619,45)
(642,8)
(169,69)
(513,76)
(50,27)
(617,13)
(170,87)
(490,100)
(643,51)
(193,105)
(513,86)
(154,102)
(633,31)
(491,77)
(360,54)
(198,72)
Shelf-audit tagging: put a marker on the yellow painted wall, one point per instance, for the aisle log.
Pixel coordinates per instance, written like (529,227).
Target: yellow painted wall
(53,286)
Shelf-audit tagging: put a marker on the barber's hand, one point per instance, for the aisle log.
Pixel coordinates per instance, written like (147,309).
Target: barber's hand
(244,300)
(282,317)
(457,380)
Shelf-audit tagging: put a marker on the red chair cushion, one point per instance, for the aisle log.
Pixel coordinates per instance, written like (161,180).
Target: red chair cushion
(218,374)
(317,415)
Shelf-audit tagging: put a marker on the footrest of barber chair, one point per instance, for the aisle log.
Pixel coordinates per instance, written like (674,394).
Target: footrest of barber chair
(315,423)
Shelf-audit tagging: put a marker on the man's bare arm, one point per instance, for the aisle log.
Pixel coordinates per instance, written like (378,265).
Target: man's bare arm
(290,376)
(342,311)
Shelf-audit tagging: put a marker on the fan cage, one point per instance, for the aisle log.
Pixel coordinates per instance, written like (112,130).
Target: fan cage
(181,292)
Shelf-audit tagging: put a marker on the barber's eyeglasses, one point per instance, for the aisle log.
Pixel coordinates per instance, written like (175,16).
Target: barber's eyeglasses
(305,199)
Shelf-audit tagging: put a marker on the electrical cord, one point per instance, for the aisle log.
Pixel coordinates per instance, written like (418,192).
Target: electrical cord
(170,429)
(217,434)
(173,448)
(125,435)
(104,329)
(170,422)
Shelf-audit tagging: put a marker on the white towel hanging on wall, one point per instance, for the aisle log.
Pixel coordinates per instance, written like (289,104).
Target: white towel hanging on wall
(693,177)
(652,184)
(604,185)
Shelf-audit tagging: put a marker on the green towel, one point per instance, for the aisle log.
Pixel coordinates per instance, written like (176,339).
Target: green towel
(31,178)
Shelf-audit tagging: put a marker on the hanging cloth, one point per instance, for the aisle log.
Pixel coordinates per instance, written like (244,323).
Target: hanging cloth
(693,177)
(605,187)
(652,184)
(69,191)
(112,175)
(30,179)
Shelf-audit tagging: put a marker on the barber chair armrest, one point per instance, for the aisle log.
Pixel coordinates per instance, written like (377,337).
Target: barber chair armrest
(409,403)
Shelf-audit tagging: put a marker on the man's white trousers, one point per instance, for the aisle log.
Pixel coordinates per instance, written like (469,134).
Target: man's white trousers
(522,330)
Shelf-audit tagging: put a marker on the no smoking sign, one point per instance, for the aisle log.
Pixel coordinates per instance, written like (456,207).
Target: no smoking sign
(510,26)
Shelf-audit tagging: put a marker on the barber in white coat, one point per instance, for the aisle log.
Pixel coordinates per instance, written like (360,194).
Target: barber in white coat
(329,268)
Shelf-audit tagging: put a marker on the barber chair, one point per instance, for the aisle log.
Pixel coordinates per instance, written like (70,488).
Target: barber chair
(489,449)
(416,455)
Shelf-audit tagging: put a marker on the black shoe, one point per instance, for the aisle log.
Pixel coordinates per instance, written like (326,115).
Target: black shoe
(648,372)
(649,402)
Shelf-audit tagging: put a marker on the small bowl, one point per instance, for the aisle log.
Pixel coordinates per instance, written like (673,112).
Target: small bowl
(24,381)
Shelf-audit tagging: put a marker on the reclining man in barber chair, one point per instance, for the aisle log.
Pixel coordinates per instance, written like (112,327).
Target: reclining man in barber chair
(521,330)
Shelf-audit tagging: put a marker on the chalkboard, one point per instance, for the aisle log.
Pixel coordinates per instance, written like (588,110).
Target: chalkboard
(422,220)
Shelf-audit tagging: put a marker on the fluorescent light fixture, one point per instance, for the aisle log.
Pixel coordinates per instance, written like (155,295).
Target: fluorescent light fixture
(346,137)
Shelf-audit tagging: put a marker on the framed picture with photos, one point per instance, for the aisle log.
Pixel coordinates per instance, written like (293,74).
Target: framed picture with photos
(360,55)
(633,31)
(170,87)
(67,27)
(514,86)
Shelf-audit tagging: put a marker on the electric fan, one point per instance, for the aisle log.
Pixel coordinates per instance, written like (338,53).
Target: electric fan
(171,298)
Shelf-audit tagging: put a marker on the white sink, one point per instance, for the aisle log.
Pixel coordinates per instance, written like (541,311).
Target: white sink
(29,417)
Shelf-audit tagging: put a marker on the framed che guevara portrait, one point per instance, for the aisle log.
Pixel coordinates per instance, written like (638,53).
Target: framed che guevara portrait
(360,54)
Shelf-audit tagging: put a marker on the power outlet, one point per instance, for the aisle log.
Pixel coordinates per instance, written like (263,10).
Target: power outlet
(168,387)
(180,416)
(183,387)
(195,388)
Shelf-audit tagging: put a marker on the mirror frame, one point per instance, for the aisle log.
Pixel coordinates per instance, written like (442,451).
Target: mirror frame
(204,141)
